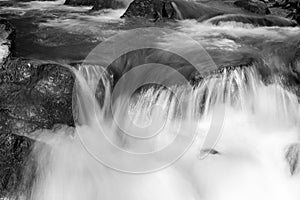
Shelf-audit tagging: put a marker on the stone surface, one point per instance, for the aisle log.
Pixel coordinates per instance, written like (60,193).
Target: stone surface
(292,157)
(140,8)
(33,96)
(104,4)
(254,6)
(79,2)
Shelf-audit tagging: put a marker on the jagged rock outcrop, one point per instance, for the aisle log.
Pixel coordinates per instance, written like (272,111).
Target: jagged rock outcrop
(254,6)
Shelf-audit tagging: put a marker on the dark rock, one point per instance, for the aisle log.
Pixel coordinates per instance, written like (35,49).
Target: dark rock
(140,8)
(296,61)
(195,10)
(171,9)
(7,36)
(254,6)
(97,4)
(14,155)
(104,4)
(79,2)
(34,96)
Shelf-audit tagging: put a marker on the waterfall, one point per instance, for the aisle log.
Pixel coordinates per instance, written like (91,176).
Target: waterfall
(247,160)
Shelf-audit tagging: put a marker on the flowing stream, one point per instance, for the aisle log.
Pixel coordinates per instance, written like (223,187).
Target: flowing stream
(229,136)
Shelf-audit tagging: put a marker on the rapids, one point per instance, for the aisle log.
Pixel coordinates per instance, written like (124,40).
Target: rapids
(247,162)
(230,135)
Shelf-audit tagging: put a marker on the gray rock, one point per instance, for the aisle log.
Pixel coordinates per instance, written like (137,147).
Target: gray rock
(292,157)
(33,96)
(104,4)
(254,6)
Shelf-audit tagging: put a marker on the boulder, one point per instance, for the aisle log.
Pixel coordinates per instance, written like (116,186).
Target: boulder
(7,36)
(104,4)
(171,9)
(254,6)
(140,8)
(34,96)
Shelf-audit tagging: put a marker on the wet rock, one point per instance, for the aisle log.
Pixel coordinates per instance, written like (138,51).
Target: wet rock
(34,96)
(79,2)
(296,62)
(171,9)
(14,153)
(104,4)
(140,8)
(7,36)
(97,4)
(254,6)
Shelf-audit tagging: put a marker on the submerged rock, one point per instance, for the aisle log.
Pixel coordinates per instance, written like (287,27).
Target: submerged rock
(7,36)
(254,6)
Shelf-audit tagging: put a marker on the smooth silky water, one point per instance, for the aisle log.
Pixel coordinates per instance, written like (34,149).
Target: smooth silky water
(248,161)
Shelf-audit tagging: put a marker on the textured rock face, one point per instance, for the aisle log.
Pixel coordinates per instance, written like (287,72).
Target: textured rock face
(14,152)
(33,96)
(140,8)
(7,36)
(254,6)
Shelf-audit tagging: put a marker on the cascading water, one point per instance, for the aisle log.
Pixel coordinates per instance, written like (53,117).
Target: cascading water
(247,162)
